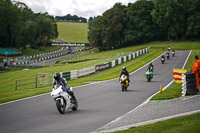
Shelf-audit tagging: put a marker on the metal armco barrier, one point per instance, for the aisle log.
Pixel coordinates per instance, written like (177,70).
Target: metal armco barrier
(66,75)
(86,71)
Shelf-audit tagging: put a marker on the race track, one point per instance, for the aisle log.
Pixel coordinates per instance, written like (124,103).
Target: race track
(99,103)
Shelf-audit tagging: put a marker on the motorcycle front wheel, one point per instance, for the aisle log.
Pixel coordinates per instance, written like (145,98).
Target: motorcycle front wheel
(60,107)
(123,87)
(149,79)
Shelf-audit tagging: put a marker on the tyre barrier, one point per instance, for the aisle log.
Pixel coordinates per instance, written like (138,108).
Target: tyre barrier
(190,84)
(191,81)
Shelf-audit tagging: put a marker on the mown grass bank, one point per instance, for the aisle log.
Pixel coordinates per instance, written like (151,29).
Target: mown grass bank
(73,32)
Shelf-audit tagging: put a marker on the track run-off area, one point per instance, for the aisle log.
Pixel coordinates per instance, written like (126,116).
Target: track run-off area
(99,103)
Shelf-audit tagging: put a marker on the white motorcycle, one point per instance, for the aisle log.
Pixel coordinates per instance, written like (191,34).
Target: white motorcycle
(63,99)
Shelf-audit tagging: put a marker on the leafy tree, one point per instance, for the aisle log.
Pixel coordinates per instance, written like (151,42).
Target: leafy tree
(114,21)
(90,19)
(193,21)
(6,13)
(27,34)
(94,33)
(169,15)
(20,27)
(46,29)
(140,27)
(69,17)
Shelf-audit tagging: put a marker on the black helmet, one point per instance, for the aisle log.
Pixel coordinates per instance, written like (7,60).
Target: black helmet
(57,76)
(196,57)
(123,68)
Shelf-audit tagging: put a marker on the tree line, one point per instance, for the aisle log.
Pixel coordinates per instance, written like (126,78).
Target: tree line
(71,18)
(145,21)
(20,27)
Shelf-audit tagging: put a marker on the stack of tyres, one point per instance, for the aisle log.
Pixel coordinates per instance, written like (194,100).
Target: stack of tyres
(190,84)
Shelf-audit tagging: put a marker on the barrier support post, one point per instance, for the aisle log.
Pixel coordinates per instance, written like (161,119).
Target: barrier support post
(16,84)
(36,82)
(160,88)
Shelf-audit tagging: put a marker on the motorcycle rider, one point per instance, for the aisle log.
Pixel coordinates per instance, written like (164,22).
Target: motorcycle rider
(62,81)
(150,67)
(168,55)
(173,52)
(124,71)
(163,58)
(169,48)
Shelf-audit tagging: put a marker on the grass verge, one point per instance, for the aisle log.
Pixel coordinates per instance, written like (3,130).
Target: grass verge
(185,124)
(171,92)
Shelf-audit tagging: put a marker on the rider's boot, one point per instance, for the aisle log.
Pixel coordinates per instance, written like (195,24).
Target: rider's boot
(73,98)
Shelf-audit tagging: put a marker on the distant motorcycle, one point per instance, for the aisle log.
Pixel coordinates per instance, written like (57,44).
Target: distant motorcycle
(124,82)
(63,99)
(173,53)
(168,55)
(162,60)
(149,75)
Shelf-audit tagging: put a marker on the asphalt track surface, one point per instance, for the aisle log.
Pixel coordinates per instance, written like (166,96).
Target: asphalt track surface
(99,103)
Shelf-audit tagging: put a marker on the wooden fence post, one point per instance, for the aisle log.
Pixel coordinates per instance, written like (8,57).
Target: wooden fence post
(36,82)
(16,84)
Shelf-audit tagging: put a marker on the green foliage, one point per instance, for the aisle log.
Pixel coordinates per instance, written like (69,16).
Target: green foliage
(113,27)
(145,21)
(46,29)
(107,32)
(193,20)
(94,34)
(140,26)
(71,18)
(20,27)
(169,15)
